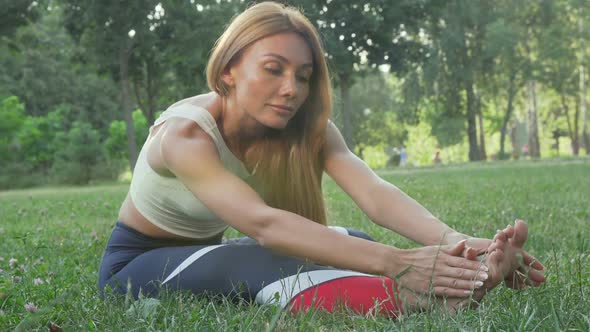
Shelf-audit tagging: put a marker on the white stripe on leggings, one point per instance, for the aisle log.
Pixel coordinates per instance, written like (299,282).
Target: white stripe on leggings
(289,287)
(191,259)
(339,229)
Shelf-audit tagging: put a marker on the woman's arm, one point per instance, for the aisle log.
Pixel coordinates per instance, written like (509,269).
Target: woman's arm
(389,207)
(239,206)
(383,202)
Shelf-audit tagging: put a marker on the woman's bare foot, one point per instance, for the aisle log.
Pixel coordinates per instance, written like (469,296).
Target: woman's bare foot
(508,255)
(502,261)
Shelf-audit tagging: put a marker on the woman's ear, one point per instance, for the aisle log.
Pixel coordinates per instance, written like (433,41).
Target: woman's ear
(228,78)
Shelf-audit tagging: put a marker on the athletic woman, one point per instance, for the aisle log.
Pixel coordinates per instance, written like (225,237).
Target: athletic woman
(250,155)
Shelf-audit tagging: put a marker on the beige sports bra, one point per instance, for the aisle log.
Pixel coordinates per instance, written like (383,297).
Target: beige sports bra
(165,201)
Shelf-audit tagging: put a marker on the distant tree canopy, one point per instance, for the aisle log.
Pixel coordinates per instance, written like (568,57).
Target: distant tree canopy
(472,76)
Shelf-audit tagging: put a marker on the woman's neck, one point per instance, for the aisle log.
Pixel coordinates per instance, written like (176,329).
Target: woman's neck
(238,129)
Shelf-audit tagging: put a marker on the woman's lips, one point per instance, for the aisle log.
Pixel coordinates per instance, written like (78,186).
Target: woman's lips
(282,108)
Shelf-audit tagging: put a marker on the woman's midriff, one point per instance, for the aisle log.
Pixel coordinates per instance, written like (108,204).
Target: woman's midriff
(130,216)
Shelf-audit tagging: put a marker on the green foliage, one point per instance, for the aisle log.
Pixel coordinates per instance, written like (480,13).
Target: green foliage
(12,113)
(60,60)
(16,13)
(31,151)
(116,142)
(78,151)
(375,117)
(47,71)
(37,138)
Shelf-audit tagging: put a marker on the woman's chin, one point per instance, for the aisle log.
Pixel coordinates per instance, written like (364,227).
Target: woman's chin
(278,124)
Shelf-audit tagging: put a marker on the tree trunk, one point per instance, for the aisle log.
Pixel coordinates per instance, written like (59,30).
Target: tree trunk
(482,141)
(148,106)
(151,94)
(124,53)
(583,105)
(515,150)
(507,116)
(471,126)
(137,91)
(576,141)
(534,147)
(572,128)
(584,111)
(345,109)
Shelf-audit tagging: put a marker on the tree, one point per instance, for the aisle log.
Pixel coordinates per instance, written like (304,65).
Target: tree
(360,37)
(459,61)
(583,14)
(14,14)
(169,63)
(558,68)
(377,123)
(111,30)
(506,36)
(44,70)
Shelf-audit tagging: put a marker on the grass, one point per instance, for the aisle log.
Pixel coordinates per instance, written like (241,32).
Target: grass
(57,236)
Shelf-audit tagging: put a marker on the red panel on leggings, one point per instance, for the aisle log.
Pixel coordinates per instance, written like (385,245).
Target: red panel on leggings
(362,295)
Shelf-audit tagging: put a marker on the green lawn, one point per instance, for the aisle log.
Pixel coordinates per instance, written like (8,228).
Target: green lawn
(57,235)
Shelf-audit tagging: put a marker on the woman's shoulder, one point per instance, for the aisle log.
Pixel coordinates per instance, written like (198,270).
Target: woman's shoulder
(207,101)
(181,128)
(177,139)
(178,136)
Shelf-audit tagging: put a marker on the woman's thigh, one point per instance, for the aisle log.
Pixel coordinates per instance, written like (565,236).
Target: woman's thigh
(229,269)
(239,267)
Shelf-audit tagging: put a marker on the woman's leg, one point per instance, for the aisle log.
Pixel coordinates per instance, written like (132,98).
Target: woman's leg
(242,269)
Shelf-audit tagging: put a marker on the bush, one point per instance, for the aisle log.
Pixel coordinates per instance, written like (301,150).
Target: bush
(17,175)
(116,143)
(77,153)
(12,113)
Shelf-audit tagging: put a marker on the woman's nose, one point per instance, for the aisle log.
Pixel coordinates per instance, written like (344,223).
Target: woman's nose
(289,87)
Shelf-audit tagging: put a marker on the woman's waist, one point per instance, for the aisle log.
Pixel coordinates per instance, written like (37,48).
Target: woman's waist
(165,229)
(131,218)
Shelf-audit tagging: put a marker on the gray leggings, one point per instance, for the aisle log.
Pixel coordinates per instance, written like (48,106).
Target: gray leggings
(238,268)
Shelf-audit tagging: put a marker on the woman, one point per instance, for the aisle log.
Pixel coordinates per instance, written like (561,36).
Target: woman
(251,155)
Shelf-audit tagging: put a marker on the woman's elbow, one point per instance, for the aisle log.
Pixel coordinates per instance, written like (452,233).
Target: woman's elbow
(262,223)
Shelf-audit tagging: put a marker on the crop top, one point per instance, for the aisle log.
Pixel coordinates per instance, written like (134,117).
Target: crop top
(165,201)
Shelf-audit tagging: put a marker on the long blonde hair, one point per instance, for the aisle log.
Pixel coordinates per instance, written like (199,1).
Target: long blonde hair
(288,162)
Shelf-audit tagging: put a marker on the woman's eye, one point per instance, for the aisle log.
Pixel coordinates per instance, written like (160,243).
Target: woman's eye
(274,71)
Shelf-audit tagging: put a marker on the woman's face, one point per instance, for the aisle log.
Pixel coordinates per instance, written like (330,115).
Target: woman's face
(270,81)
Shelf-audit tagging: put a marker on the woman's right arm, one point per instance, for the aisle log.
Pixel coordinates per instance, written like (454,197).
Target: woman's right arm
(190,154)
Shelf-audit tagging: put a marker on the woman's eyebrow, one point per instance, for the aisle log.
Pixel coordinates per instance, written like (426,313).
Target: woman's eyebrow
(285,60)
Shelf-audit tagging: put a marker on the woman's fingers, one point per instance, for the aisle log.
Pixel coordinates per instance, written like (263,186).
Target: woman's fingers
(465,274)
(457,283)
(451,292)
(460,262)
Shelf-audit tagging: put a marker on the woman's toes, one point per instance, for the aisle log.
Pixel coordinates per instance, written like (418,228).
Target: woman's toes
(500,245)
(521,230)
(470,253)
(509,231)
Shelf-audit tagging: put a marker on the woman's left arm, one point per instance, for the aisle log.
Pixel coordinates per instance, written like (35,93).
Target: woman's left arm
(388,206)
(383,202)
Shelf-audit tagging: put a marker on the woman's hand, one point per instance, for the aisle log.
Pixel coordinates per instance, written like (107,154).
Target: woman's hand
(440,269)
